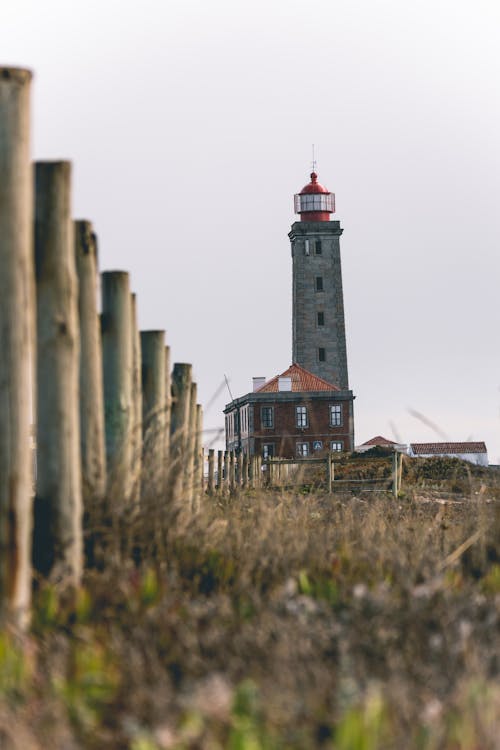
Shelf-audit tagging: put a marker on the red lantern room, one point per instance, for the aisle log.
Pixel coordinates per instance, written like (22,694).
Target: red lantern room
(314,202)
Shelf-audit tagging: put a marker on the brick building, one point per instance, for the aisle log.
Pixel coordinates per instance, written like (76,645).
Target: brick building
(309,407)
(296,413)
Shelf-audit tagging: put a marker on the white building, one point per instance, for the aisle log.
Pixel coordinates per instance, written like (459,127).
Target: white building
(475,453)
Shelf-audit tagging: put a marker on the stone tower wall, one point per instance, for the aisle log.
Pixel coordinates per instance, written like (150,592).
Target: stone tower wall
(308,336)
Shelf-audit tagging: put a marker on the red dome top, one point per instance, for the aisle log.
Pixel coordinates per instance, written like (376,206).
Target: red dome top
(314,186)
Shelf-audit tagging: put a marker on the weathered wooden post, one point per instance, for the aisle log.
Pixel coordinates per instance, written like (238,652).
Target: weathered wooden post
(136,437)
(192,442)
(244,470)
(231,472)
(251,471)
(198,456)
(179,426)
(58,503)
(91,387)
(237,469)
(225,478)
(17,301)
(219,471)
(168,405)
(329,472)
(153,414)
(118,370)
(211,468)
(256,471)
(395,473)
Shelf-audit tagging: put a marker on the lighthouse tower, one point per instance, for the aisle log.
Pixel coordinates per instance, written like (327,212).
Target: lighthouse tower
(319,343)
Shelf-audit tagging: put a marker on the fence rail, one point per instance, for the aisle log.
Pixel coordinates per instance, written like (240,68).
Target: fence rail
(235,470)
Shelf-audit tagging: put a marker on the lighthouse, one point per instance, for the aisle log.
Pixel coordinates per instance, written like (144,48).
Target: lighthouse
(319,341)
(308,408)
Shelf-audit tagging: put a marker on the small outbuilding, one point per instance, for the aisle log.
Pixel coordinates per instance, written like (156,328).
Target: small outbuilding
(474,452)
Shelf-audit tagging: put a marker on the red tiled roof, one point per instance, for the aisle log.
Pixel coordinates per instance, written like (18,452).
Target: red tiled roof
(302,380)
(440,449)
(379,440)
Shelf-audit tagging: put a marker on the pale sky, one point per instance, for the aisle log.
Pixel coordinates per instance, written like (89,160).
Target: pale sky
(190,124)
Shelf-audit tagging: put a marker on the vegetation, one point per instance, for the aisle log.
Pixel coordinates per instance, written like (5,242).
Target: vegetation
(274,620)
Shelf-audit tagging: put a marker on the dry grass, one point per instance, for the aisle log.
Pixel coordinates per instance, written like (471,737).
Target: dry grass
(274,620)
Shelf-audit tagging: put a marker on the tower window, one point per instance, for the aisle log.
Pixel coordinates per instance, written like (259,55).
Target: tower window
(301,416)
(319,283)
(335,415)
(317,247)
(321,318)
(306,247)
(321,354)
(267,416)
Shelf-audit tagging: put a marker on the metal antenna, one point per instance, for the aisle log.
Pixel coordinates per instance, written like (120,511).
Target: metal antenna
(313,160)
(228,388)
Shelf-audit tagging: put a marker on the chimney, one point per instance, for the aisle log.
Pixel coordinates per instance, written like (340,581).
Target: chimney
(284,383)
(258,383)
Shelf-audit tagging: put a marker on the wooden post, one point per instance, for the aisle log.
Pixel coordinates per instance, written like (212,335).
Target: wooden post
(153,414)
(329,472)
(198,456)
(237,469)
(191,490)
(395,474)
(117,354)
(231,472)
(219,471)
(244,470)
(256,471)
(210,486)
(17,302)
(168,404)
(251,471)
(225,478)
(58,544)
(179,426)
(136,427)
(91,389)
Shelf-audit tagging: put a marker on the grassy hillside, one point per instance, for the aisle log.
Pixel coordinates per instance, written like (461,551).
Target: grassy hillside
(274,620)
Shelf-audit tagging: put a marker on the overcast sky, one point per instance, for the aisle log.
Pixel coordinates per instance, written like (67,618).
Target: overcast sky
(190,124)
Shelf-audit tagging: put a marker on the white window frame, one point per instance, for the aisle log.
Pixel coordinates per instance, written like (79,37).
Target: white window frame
(302,450)
(301,417)
(339,446)
(335,415)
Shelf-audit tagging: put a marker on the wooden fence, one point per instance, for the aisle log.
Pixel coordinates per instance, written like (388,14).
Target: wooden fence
(111,419)
(228,471)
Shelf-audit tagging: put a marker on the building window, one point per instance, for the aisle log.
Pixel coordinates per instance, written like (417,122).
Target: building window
(321,354)
(337,446)
(335,415)
(302,449)
(306,247)
(301,416)
(321,319)
(319,283)
(267,417)
(268,450)
(317,247)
